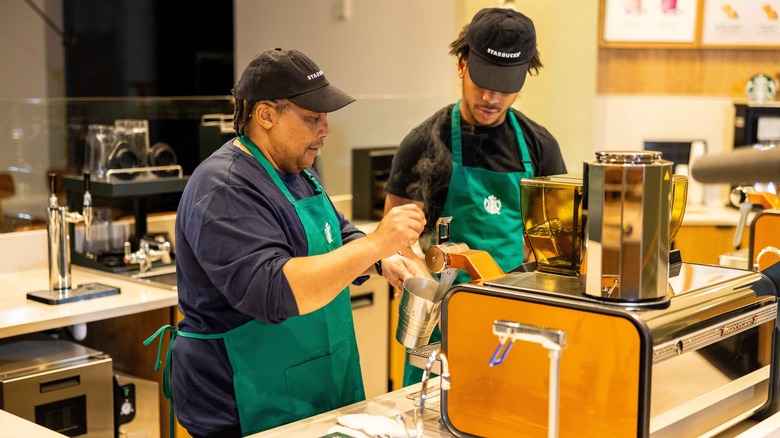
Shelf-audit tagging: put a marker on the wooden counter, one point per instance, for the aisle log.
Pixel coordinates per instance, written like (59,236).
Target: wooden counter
(708,232)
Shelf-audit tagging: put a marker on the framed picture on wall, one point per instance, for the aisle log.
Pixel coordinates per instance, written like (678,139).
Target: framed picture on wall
(649,23)
(741,23)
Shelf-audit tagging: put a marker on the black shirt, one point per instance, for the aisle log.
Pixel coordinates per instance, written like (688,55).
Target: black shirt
(422,165)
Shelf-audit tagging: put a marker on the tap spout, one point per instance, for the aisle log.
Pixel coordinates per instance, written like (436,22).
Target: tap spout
(148,253)
(445,384)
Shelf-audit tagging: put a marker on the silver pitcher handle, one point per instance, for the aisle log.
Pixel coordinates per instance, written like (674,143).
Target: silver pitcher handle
(443,229)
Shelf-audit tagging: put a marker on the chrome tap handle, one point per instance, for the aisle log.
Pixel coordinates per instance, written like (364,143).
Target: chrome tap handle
(148,252)
(53,191)
(87,211)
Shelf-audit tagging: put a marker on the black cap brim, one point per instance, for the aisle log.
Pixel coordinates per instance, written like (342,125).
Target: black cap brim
(504,79)
(323,100)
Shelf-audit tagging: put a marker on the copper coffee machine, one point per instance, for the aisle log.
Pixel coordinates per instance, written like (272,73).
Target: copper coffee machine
(607,333)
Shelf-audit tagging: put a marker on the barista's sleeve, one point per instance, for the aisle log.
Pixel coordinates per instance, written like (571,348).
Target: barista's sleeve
(349,233)
(402,175)
(545,152)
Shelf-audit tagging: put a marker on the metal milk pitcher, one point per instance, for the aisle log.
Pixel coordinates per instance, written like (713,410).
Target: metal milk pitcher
(628,211)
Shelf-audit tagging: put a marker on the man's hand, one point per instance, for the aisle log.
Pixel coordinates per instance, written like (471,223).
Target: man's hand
(397,268)
(399,229)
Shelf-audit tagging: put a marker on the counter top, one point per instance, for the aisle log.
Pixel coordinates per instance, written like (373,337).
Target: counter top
(20,315)
(704,215)
(404,401)
(13,426)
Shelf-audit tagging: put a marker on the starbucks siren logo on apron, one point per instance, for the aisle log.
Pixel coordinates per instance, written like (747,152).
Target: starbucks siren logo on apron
(328,236)
(492,205)
(319,369)
(495,231)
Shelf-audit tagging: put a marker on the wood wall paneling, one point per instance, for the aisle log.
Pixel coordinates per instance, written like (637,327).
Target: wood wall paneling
(695,72)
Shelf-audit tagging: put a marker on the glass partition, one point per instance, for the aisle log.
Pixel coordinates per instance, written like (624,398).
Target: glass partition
(42,136)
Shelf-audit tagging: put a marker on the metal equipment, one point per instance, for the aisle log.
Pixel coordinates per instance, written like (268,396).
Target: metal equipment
(668,349)
(57,220)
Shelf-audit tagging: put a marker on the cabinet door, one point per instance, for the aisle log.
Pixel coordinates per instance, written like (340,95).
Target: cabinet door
(370,310)
(704,244)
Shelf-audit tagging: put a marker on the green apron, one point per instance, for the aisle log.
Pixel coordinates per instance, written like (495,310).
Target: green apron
(485,207)
(306,365)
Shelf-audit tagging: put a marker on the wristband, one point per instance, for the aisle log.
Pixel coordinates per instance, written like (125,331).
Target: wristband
(378,267)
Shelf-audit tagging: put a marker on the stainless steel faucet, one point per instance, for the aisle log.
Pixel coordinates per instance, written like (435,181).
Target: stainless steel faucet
(149,251)
(57,221)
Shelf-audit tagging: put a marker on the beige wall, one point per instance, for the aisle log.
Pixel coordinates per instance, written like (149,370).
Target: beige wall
(391,55)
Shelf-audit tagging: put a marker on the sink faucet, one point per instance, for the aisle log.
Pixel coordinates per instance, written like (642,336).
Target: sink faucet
(149,251)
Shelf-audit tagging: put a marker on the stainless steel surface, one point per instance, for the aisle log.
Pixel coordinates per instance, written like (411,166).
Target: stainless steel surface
(160,277)
(629,209)
(57,220)
(445,282)
(149,251)
(58,384)
(436,355)
(418,357)
(418,312)
(60,288)
(735,259)
(437,257)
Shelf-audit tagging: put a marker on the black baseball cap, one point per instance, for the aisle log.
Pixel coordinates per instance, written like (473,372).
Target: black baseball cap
(501,43)
(289,74)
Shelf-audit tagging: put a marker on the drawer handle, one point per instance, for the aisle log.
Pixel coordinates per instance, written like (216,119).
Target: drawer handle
(362,300)
(55,385)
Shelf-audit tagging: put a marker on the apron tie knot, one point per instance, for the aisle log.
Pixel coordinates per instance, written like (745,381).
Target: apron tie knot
(166,381)
(160,335)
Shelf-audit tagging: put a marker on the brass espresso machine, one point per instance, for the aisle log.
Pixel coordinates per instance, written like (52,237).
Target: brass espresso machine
(608,333)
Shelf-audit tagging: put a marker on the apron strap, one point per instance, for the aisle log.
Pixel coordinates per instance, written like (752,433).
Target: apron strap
(167,392)
(252,147)
(457,149)
(457,153)
(160,335)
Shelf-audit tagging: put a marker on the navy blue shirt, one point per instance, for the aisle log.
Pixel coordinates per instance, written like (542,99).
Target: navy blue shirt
(235,230)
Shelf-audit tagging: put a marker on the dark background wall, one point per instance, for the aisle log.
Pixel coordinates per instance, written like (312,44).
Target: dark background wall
(142,59)
(148,48)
